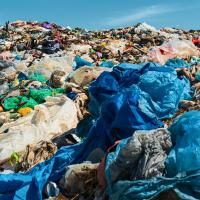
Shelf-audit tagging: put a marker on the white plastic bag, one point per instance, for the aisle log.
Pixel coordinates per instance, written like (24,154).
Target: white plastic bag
(57,115)
(48,65)
(85,75)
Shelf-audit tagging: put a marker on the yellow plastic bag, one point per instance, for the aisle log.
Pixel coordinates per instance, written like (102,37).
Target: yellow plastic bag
(24,111)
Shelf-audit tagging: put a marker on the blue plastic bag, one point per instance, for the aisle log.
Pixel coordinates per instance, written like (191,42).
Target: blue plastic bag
(161,92)
(185,134)
(79,62)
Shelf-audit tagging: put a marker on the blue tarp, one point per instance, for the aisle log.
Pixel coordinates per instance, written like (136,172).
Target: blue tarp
(160,90)
(115,103)
(110,83)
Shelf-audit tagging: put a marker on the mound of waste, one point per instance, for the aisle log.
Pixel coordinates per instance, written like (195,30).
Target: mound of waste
(111,114)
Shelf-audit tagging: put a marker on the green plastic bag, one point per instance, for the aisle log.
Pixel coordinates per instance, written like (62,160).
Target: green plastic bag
(37,77)
(34,98)
(40,95)
(59,90)
(11,103)
(29,103)
(19,102)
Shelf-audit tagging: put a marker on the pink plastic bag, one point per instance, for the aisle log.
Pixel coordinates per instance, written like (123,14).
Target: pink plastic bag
(5,55)
(173,49)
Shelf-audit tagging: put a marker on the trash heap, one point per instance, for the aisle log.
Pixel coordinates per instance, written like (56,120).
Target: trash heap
(111,114)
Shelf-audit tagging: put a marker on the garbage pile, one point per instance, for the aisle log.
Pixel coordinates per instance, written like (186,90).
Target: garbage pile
(111,114)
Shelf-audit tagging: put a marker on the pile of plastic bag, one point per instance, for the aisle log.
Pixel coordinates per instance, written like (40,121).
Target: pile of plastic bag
(111,114)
